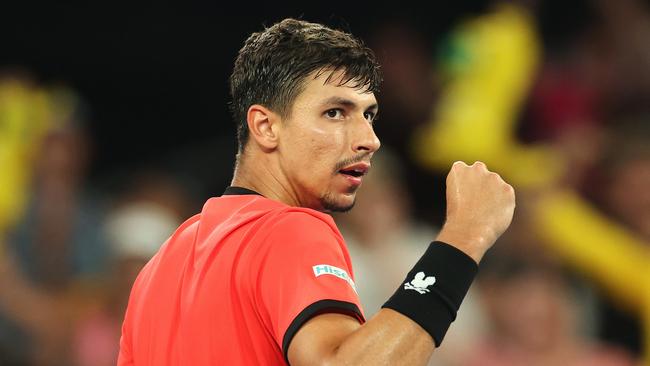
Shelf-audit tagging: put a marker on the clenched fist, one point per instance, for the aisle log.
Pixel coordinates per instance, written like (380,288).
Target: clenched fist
(480,206)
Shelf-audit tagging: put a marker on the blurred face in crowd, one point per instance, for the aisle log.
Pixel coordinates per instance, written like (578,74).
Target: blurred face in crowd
(63,155)
(326,142)
(531,309)
(383,205)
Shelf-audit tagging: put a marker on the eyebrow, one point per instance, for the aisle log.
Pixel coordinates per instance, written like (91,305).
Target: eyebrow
(349,104)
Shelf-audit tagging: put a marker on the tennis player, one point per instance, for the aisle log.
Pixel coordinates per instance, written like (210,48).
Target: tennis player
(262,275)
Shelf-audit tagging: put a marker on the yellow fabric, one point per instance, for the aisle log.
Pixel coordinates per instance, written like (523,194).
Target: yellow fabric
(25,116)
(613,257)
(492,64)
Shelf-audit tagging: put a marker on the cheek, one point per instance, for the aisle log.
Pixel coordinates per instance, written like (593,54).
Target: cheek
(325,145)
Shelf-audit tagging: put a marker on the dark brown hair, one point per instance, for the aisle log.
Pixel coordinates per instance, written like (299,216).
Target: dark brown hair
(271,67)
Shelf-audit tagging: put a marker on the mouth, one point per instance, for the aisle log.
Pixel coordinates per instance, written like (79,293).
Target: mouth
(356,170)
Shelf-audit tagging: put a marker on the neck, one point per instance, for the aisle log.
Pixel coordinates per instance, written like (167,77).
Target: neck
(258,173)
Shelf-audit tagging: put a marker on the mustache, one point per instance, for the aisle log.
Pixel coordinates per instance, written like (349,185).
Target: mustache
(353,160)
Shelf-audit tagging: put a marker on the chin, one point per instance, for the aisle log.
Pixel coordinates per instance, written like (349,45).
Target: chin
(330,203)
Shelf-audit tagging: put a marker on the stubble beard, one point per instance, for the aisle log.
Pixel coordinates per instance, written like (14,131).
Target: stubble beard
(329,203)
(328,200)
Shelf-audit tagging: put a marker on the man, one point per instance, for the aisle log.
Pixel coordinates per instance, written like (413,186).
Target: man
(261,276)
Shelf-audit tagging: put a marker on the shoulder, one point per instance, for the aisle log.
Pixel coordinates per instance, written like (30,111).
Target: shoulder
(304,232)
(302,221)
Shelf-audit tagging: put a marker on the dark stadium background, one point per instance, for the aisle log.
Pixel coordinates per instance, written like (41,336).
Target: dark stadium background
(154,74)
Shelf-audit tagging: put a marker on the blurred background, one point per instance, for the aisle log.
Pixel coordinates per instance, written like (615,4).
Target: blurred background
(114,128)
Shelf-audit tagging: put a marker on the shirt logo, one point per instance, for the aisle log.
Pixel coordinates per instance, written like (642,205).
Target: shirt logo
(326,269)
(420,283)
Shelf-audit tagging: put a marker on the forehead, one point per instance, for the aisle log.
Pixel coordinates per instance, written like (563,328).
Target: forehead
(323,85)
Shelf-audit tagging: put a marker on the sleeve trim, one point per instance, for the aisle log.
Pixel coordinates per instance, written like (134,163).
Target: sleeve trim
(317,308)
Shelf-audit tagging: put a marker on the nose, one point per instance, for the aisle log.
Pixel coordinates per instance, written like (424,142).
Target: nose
(365,140)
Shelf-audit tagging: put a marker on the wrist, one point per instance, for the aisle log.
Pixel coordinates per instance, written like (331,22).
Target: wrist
(474,243)
(434,289)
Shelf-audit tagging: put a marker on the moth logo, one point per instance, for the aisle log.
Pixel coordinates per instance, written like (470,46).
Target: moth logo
(420,283)
(326,269)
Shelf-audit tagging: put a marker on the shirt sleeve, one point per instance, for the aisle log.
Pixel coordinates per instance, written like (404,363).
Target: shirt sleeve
(305,271)
(125,356)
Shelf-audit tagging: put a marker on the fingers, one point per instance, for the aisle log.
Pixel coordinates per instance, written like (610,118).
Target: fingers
(478,200)
(480,165)
(477,165)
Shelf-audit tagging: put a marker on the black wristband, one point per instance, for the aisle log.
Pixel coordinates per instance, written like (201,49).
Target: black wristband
(434,289)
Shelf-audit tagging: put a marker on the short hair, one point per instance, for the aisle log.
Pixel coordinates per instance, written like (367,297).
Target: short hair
(272,66)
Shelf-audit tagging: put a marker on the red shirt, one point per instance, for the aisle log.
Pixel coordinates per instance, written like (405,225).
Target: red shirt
(234,283)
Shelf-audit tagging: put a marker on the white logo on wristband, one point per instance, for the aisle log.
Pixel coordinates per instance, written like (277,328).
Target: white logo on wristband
(420,283)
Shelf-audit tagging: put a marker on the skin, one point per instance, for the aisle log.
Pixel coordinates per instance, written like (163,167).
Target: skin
(296,160)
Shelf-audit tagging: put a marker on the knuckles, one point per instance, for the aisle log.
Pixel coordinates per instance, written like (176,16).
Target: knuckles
(478,173)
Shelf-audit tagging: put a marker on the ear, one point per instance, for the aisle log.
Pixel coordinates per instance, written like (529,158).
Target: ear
(263,126)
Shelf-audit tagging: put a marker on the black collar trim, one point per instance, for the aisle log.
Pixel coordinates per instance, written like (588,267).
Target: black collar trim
(232,190)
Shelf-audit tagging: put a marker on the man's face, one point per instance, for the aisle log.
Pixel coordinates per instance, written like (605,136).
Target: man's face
(327,142)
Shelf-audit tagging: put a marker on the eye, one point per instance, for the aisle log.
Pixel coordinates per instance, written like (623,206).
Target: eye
(370,116)
(334,113)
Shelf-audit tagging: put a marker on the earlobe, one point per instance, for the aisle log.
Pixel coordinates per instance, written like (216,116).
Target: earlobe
(263,126)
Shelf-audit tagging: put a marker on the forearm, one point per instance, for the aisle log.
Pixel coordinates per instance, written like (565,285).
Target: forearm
(408,327)
(389,338)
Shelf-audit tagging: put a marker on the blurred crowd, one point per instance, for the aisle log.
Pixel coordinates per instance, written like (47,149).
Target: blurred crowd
(568,125)
(69,251)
